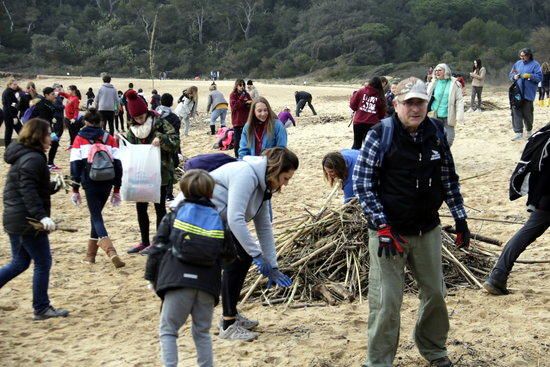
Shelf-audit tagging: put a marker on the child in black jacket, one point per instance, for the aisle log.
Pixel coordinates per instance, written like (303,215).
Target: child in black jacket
(184,267)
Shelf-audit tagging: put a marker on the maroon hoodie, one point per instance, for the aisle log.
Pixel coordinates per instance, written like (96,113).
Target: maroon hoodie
(239,108)
(369,108)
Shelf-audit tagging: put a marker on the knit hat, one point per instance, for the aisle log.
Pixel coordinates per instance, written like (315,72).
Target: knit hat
(136,105)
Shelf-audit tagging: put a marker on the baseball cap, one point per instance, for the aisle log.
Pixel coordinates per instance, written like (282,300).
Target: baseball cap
(411,88)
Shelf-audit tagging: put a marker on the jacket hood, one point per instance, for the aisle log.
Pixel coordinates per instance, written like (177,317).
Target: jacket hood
(91,133)
(259,166)
(446,68)
(163,111)
(108,85)
(16,150)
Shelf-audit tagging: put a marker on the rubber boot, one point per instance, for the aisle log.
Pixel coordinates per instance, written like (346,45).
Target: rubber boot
(540,103)
(106,245)
(212,129)
(91,252)
(547,102)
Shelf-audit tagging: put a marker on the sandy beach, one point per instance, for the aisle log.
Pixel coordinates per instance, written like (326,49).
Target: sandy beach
(114,317)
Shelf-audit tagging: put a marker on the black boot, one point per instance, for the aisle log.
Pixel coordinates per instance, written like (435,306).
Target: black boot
(212,129)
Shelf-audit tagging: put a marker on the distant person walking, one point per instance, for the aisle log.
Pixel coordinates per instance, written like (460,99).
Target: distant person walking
(105,102)
(90,96)
(10,105)
(119,113)
(369,106)
(27,195)
(448,103)
(545,84)
(217,106)
(478,80)
(527,73)
(239,101)
(302,98)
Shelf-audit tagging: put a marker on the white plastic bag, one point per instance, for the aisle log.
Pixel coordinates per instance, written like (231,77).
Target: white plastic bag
(179,110)
(141,178)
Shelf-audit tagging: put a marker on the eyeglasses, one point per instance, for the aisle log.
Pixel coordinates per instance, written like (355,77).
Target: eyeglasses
(414,103)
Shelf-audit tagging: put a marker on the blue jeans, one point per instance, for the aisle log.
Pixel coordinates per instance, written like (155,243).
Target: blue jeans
(25,248)
(221,113)
(96,197)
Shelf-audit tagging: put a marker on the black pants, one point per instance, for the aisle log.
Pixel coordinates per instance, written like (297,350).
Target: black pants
(108,117)
(170,187)
(73,128)
(143,216)
(119,121)
(359,133)
(536,225)
(233,277)
(522,116)
(9,128)
(238,131)
(301,104)
(57,128)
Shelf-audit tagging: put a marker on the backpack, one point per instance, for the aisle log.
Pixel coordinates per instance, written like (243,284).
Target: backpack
(208,162)
(28,114)
(224,139)
(536,149)
(198,235)
(515,95)
(100,163)
(387,136)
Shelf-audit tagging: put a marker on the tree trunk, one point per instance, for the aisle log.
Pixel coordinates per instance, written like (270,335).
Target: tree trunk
(9,15)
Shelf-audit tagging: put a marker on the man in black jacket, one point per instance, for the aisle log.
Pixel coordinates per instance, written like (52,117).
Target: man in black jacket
(538,203)
(301,99)
(401,195)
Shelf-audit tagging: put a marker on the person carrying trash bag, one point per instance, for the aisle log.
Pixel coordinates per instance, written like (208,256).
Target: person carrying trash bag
(146,127)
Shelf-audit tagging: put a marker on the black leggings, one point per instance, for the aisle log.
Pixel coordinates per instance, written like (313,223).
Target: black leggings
(73,128)
(237,132)
(9,127)
(143,216)
(57,128)
(233,277)
(119,119)
(359,133)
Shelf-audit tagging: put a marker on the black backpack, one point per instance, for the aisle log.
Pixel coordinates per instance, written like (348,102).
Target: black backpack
(515,95)
(536,149)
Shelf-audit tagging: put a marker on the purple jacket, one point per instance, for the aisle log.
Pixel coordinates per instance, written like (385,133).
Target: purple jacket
(284,116)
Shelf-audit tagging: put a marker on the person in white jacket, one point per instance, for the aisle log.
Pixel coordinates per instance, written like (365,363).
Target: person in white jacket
(242,193)
(187,107)
(447,102)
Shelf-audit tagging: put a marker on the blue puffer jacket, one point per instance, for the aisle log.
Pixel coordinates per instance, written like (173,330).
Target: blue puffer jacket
(528,86)
(277,139)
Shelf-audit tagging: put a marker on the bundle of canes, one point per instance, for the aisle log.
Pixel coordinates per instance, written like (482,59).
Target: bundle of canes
(35,223)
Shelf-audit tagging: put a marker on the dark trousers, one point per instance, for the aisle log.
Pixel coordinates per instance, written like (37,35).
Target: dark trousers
(476,91)
(24,249)
(301,104)
(74,128)
(238,131)
(96,198)
(233,277)
(170,187)
(523,115)
(119,121)
(57,128)
(143,216)
(9,128)
(359,133)
(108,117)
(536,225)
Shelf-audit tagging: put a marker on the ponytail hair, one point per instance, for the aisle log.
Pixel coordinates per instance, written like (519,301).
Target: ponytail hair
(75,90)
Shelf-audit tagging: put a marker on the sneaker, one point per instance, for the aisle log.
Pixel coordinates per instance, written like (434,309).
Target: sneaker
(137,248)
(517,137)
(246,323)
(495,288)
(441,362)
(51,312)
(528,134)
(146,251)
(53,167)
(237,332)
(169,198)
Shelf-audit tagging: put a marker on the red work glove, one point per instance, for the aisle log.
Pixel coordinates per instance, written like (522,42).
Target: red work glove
(390,242)
(462,234)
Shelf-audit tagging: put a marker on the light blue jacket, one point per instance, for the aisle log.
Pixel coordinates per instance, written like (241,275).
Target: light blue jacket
(350,156)
(527,86)
(277,139)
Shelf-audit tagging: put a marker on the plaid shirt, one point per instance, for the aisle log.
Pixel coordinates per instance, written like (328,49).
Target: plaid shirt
(366,180)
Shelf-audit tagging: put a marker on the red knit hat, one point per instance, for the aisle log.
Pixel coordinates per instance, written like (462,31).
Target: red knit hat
(136,105)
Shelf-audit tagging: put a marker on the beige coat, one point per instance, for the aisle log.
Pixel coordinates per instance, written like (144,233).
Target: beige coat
(455,113)
(478,79)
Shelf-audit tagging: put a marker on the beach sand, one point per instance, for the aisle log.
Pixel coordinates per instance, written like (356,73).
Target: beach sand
(114,318)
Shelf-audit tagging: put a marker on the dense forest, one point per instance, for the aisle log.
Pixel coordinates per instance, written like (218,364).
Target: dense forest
(325,39)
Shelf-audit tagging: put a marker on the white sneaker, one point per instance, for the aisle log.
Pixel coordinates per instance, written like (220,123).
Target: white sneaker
(237,332)
(242,321)
(517,137)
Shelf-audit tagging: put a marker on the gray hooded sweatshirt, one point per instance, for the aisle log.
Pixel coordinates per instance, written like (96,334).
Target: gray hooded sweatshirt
(238,196)
(106,98)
